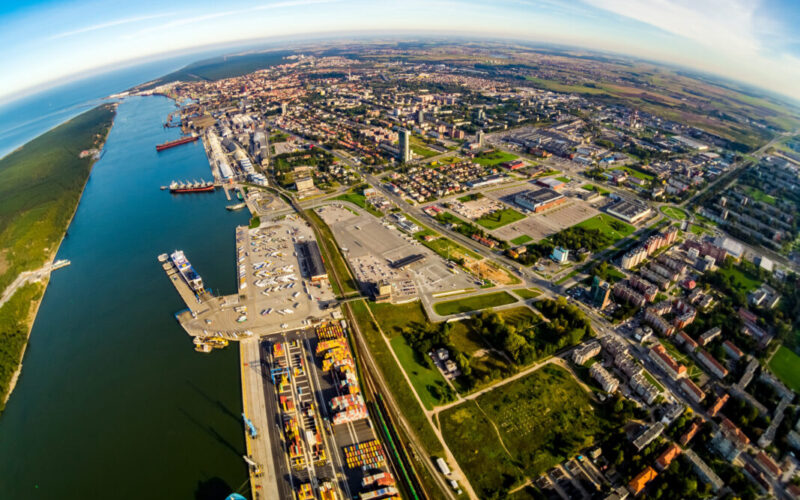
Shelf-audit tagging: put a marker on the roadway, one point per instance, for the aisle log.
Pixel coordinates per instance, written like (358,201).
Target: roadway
(27,277)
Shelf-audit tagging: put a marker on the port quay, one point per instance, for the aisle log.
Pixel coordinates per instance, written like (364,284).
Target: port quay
(305,420)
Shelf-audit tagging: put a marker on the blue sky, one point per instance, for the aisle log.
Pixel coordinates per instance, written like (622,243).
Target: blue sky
(755,41)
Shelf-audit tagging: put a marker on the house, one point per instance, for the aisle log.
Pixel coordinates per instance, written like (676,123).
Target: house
(666,458)
(638,483)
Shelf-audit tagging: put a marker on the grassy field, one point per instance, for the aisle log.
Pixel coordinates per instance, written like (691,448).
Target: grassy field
(500,218)
(427,380)
(445,247)
(698,230)
(691,368)
(527,293)
(592,187)
(490,159)
(635,173)
(674,213)
(328,247)
(785,364)
(394,318)
(473,303)
(603,223)
(520,429)
(740,279)
(422,151)
(563,178)
(521,240)
(40,185)
(401,391)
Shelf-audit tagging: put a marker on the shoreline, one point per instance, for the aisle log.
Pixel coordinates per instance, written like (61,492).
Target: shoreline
(34,310)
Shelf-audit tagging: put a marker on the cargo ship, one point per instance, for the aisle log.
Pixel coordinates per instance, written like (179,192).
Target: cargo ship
(191,187)
(186,270)
(177,142)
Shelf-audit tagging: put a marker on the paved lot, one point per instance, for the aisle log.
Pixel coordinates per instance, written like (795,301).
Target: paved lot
(370,245)
(542,225)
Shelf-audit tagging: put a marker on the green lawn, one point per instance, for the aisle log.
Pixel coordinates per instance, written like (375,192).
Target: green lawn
(603,223)
(426,379)
(740,279)
(521,429)
(527,293)
(473,303)
(500,218)
(592,187)
(635,173)
(394,318)
(445,247)
(785,364)
(691,368)
(563,178)
(698,230)
(492,158)
(674,213)
(759,195)
(521,240)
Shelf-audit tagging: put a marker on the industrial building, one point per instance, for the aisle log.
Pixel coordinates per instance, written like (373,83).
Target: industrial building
(407,261)
(539,200)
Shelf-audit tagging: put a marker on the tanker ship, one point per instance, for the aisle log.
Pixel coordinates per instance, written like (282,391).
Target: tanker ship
(178,142)
(191,187)
(186,270)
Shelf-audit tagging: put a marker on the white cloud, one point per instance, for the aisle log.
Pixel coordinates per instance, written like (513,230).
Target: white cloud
(729,25)
(108,24)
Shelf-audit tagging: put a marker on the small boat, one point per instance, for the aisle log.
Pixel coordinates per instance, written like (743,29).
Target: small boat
(237,206)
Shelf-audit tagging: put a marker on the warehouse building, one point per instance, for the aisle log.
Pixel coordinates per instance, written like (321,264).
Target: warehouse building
(539,200)
(629,211)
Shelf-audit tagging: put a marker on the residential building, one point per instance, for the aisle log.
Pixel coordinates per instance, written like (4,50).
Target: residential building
(714,366)
(639,482)
(607,381)
(585,352)
(648,436)
(660,357)
(560,255)
(703,471)
(729,440)
(691,390)
(666,458)
(709,336)
(734,352)
(600,293)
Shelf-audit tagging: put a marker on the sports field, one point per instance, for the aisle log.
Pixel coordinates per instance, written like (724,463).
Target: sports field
(786,365)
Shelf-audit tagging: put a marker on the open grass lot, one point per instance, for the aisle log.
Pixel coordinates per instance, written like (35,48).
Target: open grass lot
(635,173)
(603,223)
(527,293)
(422,151)
(521,429)
(674,213)
(563,178)
(759,195)
(445,247)
(394,318)
(521,240)
(592,187)
(358,199)
(426,379)
(691,368)
(473,303)
(785,364)
(500,218)
(401,391)
(492,158)
(519,316)
(741,279)
(698,230)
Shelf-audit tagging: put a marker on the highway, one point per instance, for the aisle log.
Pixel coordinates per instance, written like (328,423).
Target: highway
(26,277)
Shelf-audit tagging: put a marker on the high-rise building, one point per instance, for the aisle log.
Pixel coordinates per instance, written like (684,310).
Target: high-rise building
(405,146)
(479,138)
(601,293)
(420,117)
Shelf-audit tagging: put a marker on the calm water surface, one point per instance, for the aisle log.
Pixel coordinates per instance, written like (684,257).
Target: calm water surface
(113,402)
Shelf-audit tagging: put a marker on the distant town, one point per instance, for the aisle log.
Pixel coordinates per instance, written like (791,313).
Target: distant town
(460,282)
